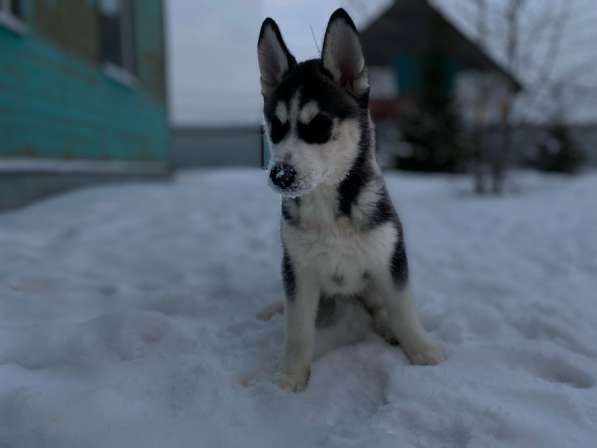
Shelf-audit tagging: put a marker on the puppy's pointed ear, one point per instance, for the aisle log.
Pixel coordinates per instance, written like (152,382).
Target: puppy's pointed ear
(342,54)
(274,58)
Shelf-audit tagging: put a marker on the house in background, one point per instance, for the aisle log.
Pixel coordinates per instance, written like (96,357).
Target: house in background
(397,45)
(82,94)
(412,49)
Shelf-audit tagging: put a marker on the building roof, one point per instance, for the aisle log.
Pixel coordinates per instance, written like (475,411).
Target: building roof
(418,27)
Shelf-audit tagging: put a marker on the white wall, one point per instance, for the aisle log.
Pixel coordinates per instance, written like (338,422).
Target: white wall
(213,76)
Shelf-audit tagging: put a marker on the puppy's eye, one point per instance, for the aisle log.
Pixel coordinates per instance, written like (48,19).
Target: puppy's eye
(318,130)
(278,130)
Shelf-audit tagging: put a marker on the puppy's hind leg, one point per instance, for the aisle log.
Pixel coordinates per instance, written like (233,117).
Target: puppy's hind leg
(404,322)
(380,323)
(412,337)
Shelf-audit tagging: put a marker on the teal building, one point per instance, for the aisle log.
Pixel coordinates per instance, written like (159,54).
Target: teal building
(82,92)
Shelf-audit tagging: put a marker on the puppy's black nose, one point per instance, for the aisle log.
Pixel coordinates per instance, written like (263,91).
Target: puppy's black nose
(282,175)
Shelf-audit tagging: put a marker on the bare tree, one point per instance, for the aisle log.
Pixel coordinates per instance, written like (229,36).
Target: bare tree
(549,45)
(500,162)
(480,108)
(529,36)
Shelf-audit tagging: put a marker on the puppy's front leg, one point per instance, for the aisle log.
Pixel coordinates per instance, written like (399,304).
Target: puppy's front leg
(302,298)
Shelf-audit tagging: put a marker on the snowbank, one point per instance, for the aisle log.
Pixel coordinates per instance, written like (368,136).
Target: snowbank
(127,319)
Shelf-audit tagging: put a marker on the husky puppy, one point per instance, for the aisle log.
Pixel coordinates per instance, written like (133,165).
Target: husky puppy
(341,235)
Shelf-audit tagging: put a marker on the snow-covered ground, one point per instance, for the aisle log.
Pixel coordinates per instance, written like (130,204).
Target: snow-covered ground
(127,318)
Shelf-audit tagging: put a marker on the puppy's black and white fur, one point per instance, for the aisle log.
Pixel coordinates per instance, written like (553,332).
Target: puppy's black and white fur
(340,232)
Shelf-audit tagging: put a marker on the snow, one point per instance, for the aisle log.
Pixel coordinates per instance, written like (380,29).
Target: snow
(127,318)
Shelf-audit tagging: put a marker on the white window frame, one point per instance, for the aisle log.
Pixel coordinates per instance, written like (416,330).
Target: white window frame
(123,74)
(9,20)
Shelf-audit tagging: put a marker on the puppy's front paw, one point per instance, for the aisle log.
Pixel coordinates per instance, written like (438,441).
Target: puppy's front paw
(426,354)
(292,380)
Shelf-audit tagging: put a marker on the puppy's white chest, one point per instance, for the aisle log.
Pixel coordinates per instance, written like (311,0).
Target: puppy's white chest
(337,255)
(342,270)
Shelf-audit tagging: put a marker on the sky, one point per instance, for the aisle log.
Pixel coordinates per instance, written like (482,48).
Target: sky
(213,75)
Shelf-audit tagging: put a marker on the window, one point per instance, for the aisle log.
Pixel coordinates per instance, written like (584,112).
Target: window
(11,15)
(117,38)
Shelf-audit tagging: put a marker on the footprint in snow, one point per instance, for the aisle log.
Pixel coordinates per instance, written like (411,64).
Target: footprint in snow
(554,369)
(540,329)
